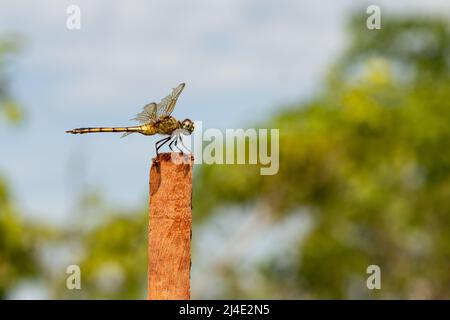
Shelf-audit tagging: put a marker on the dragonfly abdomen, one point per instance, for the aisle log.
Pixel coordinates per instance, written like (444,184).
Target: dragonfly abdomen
(105,129)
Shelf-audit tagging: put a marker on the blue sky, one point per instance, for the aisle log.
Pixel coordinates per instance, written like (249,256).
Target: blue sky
(240,60)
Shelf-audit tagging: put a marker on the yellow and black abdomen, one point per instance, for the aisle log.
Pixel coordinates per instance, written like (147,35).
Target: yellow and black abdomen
(165,126)
(104,129)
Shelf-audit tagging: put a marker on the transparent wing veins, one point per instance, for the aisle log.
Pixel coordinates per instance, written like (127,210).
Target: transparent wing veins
(148,114)
(167,104)
(154,111)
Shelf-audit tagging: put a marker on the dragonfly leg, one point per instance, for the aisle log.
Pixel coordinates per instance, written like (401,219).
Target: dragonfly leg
(171,143)
(181,141)
(160,143)
(176,144)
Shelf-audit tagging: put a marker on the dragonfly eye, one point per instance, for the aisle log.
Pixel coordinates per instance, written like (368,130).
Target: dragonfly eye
(188,125)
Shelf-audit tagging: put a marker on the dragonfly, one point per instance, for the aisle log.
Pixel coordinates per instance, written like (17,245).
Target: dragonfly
(155,118)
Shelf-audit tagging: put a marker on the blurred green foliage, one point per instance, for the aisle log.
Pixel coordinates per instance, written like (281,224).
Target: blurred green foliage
(9,108)
(17,251)
(17,258)
(112,257)
(369,158)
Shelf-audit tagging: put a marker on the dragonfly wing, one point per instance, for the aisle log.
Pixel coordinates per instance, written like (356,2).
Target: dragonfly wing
(153,111)
(127,134)
(148,114)
(167,104)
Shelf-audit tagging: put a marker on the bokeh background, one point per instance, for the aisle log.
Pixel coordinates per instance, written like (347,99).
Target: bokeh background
(364,119)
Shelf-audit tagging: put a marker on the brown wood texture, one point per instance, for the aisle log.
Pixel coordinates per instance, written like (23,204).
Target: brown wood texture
(169,233)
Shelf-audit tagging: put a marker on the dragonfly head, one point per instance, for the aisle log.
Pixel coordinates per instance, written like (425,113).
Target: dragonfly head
(187,125)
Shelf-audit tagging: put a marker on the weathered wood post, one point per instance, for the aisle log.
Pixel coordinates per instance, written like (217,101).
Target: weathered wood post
(169,233)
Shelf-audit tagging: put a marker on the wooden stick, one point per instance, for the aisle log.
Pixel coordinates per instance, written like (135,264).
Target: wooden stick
(169,233)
